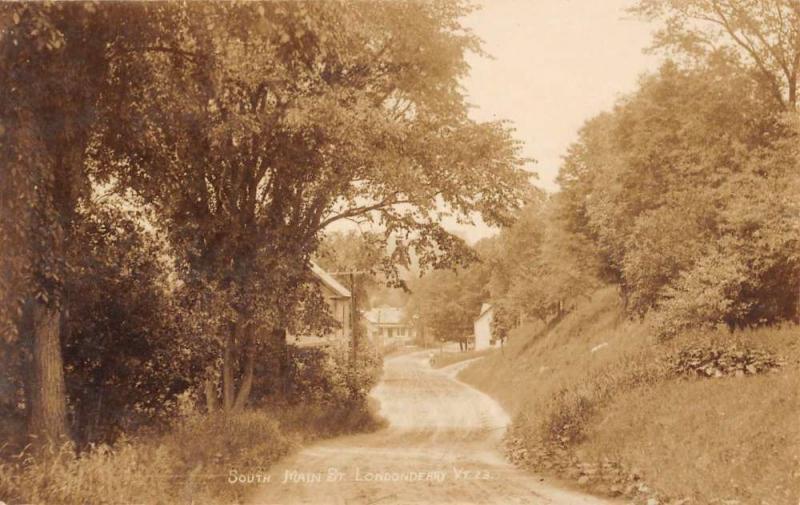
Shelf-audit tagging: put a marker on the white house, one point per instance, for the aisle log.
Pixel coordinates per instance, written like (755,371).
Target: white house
(339,302)
(388,325)
(483,327)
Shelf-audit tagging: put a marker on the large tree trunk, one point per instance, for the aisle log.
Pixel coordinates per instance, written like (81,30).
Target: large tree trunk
(227,370)
(249,368)
(279,336)
(211,395)
(48,410)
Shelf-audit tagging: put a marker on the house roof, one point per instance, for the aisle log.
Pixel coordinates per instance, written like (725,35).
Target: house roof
(329,281)
(486,307)
(386,315)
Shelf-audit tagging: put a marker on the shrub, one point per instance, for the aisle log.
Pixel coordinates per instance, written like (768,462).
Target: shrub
(128,348)
(313,421)
(568,412)
(707,295)
(250,438)
(327,375)
(719,360)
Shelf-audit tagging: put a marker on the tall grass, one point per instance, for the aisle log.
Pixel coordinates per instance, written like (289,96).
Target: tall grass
(189,464)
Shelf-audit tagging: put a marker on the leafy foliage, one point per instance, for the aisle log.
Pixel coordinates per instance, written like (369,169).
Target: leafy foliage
(378,280)
(765,35)
(326,375)
(292,125)
(448,301)
(672,190)
(128,351)
(719,361)
(238,133)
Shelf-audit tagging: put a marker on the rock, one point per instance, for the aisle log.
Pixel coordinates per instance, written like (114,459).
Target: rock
(643,489)
(574,473)
(615,490)
(653,501)
(583,480)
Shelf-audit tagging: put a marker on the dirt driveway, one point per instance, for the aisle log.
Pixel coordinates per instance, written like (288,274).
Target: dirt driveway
(441,447)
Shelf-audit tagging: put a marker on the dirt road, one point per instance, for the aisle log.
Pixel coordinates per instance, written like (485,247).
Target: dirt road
(441,447)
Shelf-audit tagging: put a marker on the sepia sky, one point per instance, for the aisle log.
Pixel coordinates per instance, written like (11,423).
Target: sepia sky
(556,64)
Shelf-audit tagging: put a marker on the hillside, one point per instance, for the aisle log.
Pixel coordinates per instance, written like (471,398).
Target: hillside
(708,416)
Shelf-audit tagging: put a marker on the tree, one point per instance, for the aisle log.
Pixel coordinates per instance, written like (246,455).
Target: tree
(673,181)
(381,281)
(448,301)
(513,260)
(354,252)
(52,63)
(55,65)
(765,33)
(301,115)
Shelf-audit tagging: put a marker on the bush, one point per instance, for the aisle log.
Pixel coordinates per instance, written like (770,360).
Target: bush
(313,421)
(569,411)
(545,439)
(719,360)
(252,439)
(326,374)
(127,348)
(707,295)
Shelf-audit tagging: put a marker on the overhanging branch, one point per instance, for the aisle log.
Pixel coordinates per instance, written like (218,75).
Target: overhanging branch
(364,209)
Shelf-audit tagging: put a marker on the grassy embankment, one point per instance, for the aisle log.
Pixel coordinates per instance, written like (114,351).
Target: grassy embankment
(704,418)
(443,359)
(192,463)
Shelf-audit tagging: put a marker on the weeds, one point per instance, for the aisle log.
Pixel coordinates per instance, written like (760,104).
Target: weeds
(190,463)
(721,360)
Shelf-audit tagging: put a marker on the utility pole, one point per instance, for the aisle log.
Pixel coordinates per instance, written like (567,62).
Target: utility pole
(353,310)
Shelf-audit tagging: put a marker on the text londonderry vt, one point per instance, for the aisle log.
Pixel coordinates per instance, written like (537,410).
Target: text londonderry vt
(358,475)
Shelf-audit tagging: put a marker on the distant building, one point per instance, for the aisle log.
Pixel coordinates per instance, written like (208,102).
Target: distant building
(339,302)
(483,327)
(388,325)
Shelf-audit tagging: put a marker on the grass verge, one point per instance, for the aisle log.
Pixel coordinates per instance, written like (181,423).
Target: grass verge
(597,400)
(443,359)
(191,464)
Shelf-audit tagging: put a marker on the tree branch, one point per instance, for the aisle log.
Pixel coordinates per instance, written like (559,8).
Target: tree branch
(747,46)
(356,211)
